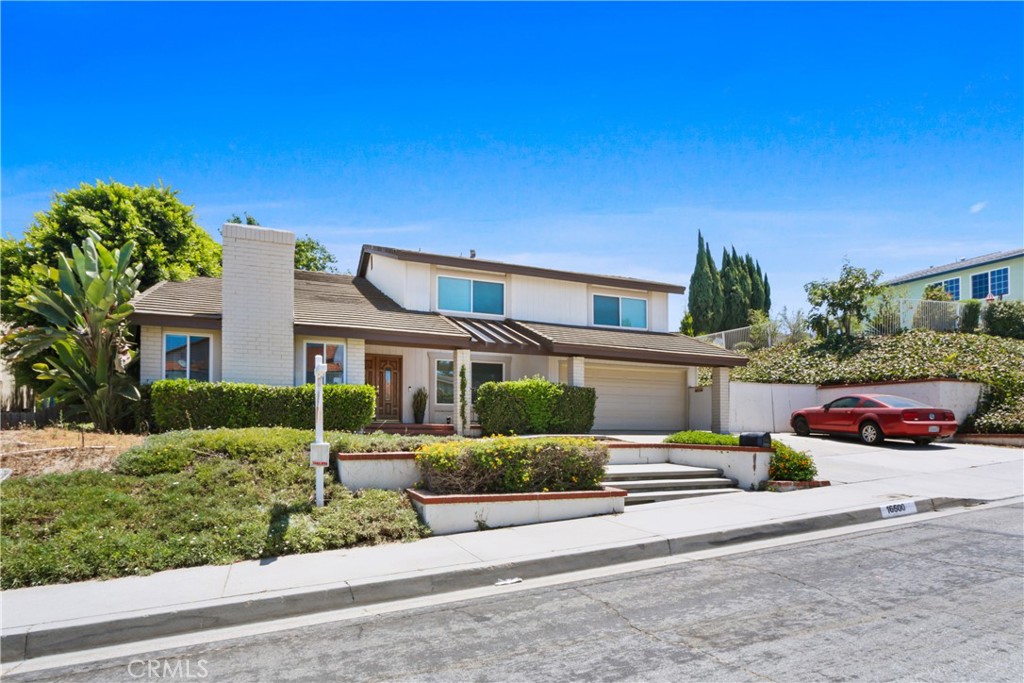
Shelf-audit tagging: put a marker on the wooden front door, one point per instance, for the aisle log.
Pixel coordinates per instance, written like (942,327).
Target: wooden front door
(385,374)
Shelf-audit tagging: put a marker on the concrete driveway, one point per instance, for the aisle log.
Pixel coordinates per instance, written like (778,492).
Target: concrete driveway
(939,466)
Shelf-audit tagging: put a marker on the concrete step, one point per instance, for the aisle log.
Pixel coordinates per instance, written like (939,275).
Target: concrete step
(671,484)
(641,497)
(618,473)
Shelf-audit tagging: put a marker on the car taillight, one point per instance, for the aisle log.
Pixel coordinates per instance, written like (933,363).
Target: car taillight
(911,415)
(948,416)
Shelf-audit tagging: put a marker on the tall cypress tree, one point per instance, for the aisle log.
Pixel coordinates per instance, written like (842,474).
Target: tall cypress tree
(767,295)
(701,301)
(717,296)
(756,285)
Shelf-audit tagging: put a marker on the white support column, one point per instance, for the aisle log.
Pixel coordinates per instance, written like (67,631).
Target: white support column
(692,377)
(720,400)
(576,373)
(461,359)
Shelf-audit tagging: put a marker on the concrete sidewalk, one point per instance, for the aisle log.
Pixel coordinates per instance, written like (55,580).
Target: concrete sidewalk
(64,618)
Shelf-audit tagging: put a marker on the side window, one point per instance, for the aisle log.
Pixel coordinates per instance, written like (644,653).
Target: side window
(868,403)
(187,357)
(444,382)
(846,402)
(334,357)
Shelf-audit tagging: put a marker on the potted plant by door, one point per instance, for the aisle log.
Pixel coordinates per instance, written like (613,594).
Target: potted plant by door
(419,405)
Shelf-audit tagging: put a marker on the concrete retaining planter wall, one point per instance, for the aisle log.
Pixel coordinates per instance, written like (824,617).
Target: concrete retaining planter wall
(747,465)
(452,514)
(1014,440)
(393,471)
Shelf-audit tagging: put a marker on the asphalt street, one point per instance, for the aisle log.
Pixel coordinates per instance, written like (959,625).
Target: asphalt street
(935,600)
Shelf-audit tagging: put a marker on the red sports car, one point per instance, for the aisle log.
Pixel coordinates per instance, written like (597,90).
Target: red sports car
(876,417)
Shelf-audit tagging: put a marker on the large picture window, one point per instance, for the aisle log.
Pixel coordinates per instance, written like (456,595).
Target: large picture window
(487,372)
(995,282)
(470,296)
(334,357)
(187,357)
(1000,282)
(620,311)
(979,286)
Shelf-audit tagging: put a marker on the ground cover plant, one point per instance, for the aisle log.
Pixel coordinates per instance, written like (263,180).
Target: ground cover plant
(184,499)
(787,464)
(918,354)
(513,465)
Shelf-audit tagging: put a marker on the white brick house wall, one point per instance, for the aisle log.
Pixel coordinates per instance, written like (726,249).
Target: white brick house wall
(259,295)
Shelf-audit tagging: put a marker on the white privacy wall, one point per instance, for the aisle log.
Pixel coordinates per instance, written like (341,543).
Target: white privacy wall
(767,407)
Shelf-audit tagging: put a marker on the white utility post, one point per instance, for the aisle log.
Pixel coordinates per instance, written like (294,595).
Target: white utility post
(319,452)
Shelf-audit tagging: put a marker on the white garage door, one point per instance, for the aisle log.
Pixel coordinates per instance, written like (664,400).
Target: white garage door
(637,396)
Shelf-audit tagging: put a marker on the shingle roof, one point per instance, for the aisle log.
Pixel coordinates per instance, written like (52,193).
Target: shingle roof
(343,305)
(958,265)
(514,269)
(656,347)
(344,302)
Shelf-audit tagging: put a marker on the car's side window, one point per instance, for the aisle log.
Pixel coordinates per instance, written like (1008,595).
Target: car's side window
(845,402)
(868,403)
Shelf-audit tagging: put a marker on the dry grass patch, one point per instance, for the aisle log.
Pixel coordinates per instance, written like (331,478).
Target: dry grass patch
(30,452)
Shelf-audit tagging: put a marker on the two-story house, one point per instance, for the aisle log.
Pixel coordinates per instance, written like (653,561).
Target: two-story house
(410,319)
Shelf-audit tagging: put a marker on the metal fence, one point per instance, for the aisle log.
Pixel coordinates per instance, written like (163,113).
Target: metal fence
(887,317)
(897,315)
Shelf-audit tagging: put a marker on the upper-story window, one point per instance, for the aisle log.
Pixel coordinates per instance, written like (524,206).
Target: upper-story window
(620,311)
(951,287)
(187,356)
(334,358)
(994,282)
(470,296)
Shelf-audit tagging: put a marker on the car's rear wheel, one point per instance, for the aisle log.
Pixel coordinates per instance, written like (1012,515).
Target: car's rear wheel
(871,433)
(923,442)
(801,427)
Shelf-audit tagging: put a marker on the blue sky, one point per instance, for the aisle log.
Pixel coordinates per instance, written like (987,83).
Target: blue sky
(593,137)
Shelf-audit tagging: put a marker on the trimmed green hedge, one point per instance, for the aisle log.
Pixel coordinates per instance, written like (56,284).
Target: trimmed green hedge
(513,465)
(187,404)
(535,406)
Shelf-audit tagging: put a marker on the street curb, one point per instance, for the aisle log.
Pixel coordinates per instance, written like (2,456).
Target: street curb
(84,634)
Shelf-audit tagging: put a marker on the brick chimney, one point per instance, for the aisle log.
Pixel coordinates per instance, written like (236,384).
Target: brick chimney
(258,289)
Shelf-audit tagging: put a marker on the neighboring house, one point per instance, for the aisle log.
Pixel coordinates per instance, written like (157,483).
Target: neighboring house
(1000,274)
(410,319)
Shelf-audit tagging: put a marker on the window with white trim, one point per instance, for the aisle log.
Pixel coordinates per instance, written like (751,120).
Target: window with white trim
(620,311)
(1000,282)
(470,296)
(333,355)
(444,382)
(187,356)
(995,282)
(951,287)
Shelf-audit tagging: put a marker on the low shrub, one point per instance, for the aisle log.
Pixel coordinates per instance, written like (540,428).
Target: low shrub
(534,406)
(1005,319)
(788,464)
(190,498)
(188,404)
(997,414)
(703,438)
(970,316)
(513,465)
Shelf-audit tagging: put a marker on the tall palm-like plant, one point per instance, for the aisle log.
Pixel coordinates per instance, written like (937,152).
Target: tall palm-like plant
(85,300)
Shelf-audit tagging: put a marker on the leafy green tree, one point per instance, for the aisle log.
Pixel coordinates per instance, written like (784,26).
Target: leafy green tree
(82,346)
(839,304)
(756,284)
(249,220)
(313,256)
(169,243)
(309,253)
